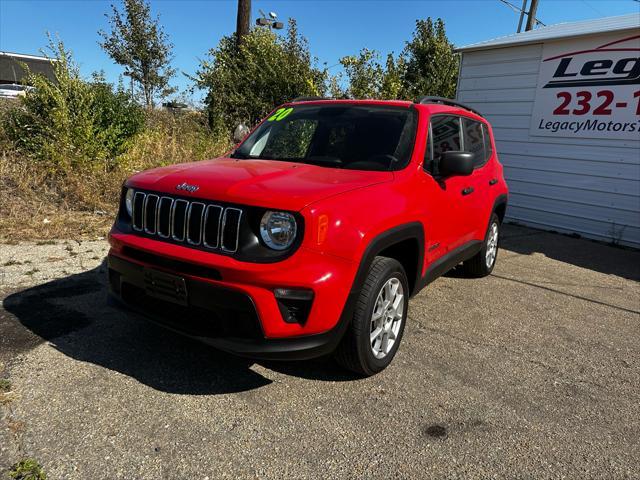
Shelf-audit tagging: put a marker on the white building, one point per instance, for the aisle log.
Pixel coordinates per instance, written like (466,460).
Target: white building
(564,103)
(12,71)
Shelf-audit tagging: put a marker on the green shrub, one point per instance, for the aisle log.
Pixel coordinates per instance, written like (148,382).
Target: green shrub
(27,470)
(73,122)
(5,384)
(117,119)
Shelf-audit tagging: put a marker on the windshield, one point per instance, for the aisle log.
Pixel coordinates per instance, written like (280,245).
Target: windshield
(355,137)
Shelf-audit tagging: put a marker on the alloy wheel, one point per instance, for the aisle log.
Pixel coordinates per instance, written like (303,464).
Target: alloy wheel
(387,317)
(492,245)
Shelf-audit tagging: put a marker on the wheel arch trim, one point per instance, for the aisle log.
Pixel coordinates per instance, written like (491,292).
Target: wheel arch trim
(500,201)
(386,239)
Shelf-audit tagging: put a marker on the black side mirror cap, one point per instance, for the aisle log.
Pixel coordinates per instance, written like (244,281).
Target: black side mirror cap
(456,163)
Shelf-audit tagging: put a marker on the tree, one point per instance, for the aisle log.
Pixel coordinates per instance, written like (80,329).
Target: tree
(245,82)
(426,66)
(391,87)
(431,66)
(138,43)
(369,79)
(364,73)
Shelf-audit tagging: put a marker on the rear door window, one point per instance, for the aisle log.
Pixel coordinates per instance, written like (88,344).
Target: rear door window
(444,136)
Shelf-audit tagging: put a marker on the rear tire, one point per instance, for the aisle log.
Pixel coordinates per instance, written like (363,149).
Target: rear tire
(481,264)
(375,332)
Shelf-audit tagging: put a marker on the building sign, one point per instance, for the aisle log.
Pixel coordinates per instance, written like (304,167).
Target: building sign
(589,88)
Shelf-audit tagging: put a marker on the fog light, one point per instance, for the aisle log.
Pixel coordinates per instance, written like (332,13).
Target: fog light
(294,304)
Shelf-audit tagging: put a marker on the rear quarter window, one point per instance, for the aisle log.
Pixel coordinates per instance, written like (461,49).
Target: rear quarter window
(474,141)
(488,149)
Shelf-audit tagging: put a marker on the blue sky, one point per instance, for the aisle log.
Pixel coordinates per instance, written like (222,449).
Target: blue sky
(333,28)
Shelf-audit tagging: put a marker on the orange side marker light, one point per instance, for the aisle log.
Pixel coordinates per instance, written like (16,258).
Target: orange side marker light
(323,228)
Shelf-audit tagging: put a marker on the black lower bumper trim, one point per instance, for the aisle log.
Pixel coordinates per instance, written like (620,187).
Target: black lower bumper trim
(216,324)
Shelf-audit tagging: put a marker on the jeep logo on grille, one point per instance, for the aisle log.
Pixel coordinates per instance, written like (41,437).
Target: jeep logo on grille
(186,187)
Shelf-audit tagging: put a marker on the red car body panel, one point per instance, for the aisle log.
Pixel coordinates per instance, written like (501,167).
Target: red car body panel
(344,211)
(265,183)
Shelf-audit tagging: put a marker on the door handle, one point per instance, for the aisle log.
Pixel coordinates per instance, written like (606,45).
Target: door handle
(493,181)
(467,191)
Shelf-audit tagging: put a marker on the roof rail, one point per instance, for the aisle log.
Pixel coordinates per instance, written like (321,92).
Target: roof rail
(308,99)
(446,101)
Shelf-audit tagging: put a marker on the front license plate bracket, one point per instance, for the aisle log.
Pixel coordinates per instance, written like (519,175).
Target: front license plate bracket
(165,286)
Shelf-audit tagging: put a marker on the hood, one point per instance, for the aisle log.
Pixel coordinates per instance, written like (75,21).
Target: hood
(267,183)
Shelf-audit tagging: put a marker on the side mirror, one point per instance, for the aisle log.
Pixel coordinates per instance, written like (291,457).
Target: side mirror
(240,133)
(456,163)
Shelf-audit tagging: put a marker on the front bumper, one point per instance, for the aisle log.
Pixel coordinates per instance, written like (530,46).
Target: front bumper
(231,304)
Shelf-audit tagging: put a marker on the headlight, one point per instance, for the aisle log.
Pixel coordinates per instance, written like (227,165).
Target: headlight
(278,229)
(128,201)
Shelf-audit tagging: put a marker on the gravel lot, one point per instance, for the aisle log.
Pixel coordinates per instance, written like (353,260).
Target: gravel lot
(531,372)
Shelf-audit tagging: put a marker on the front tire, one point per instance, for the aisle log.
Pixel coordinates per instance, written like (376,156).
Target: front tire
(481,264)
(376,329)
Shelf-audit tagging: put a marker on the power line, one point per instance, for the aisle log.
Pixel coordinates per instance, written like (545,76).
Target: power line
(593,8)
(522,11)
(512,6)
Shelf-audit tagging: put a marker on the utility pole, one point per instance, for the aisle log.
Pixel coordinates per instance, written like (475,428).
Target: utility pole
(532,21)
(531,18)
(522,12)
(243,20)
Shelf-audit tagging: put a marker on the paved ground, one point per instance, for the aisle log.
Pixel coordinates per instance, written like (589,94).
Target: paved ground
(531,372)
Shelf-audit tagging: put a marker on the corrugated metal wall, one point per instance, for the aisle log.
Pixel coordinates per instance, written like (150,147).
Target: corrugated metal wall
(588,186)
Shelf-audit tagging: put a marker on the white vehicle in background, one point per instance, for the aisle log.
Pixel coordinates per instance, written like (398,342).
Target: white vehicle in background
(13,90)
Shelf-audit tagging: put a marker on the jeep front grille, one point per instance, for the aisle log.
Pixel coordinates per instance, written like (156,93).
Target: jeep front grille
(192,222)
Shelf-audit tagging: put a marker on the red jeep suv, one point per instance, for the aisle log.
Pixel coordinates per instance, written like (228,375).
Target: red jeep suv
(311,236)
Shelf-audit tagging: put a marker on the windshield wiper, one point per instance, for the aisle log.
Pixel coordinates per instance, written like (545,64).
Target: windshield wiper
(318,162)
(237,154)
(277,159)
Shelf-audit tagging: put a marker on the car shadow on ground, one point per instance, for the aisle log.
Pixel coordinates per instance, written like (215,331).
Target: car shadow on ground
(609,259)
(612,260)
(73,315)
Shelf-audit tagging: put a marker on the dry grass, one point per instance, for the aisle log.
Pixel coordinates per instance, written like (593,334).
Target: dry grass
(38,202)
(35,206)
